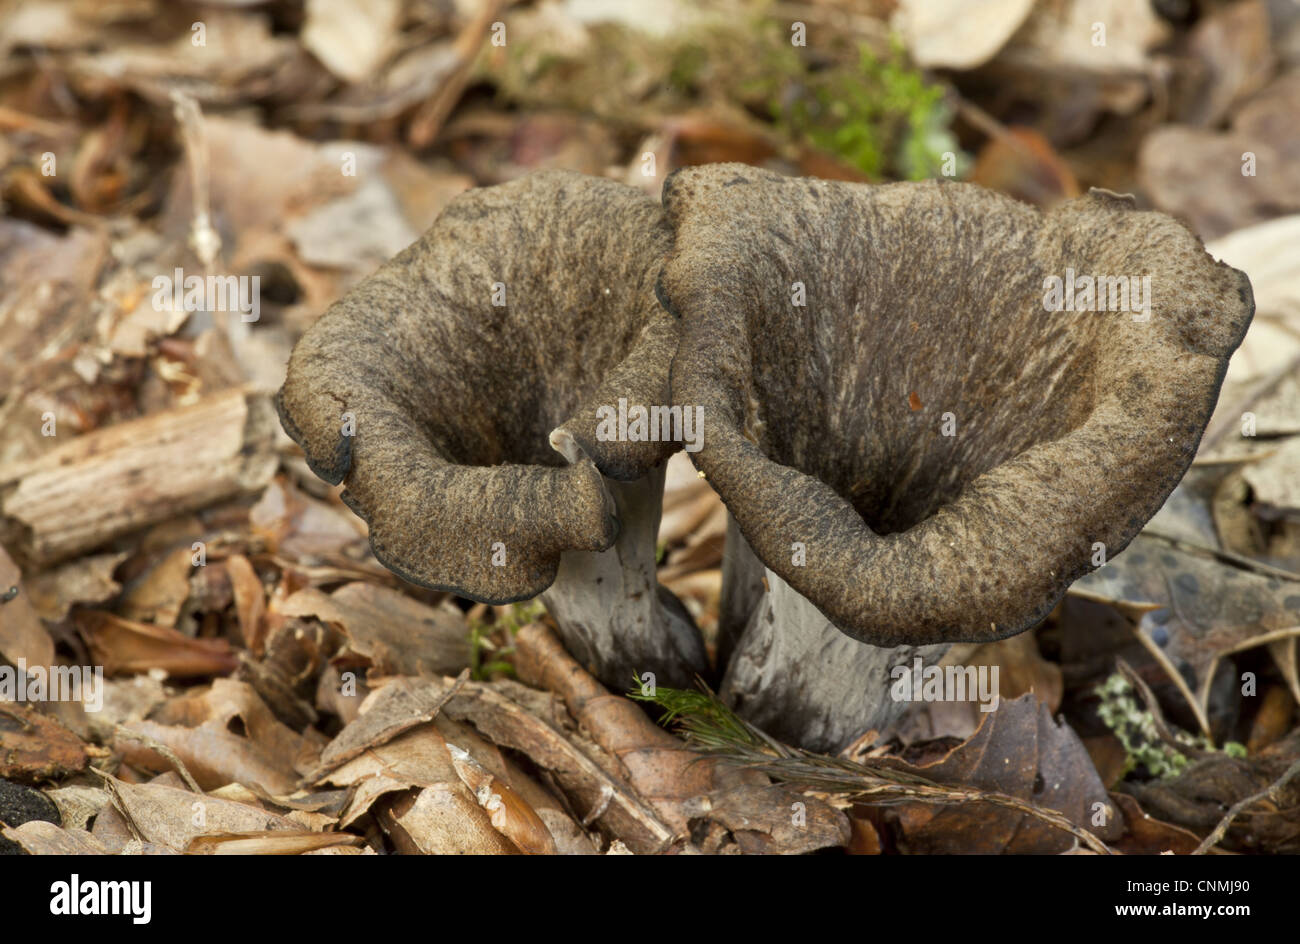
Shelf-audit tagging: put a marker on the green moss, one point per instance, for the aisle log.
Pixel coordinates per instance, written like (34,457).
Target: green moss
(490,644)
(1135,727)
(872,111)
(697,715)
(882,116)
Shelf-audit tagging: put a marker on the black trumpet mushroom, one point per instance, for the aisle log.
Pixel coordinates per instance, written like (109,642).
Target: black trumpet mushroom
(930,409)
(459,394)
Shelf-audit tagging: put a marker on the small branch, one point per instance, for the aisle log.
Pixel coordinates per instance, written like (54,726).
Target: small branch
(159,747)
(430,117)
(203,238)
(1163,730)
(1245,563)
(1268,793)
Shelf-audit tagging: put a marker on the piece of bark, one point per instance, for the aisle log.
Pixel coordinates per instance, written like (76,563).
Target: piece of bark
(34,747)
(121,478)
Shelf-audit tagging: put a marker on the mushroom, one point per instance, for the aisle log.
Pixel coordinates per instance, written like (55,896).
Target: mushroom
(918,440)
(459,393)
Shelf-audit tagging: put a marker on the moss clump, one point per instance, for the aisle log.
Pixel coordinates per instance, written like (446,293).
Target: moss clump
(881,116)
(869,108)
(491,643)
(1135,727)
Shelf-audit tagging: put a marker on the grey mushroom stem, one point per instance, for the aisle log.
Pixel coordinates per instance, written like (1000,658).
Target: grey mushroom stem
(613,614)
(802,680)
(742,590)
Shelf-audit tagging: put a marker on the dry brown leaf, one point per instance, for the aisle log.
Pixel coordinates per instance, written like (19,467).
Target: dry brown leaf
(223,735)
(443,819)
(172,817)
(394,708)
(398,635)
(41,838)
(250,601)
(157,596)
(508,812)
(416,758)
(22,635)
(55,591)
(125,647)
(1023,164)
(1022,752)
(1146,835)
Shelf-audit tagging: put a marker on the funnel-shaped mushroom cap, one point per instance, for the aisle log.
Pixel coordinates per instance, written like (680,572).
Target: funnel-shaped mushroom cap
(942,452)
(524,308)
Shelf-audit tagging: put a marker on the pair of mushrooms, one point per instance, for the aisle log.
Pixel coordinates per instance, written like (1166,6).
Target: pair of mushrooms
(915,448)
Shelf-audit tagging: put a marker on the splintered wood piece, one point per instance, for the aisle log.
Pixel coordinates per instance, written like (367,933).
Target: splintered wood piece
(137,473)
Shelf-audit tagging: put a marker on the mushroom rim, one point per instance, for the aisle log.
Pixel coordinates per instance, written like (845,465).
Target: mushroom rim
(1032,615)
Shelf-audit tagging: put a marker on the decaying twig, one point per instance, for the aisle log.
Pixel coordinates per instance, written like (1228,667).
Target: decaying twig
(1219,831)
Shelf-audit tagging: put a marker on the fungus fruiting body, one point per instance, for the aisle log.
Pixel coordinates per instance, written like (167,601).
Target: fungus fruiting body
(916,442)
(455,394)
(930,409)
